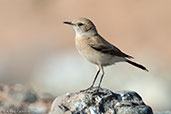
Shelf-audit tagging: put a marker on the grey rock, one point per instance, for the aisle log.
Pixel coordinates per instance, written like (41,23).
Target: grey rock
(163,112)
(100,101)
(18,99)
(37,109)
(20,93)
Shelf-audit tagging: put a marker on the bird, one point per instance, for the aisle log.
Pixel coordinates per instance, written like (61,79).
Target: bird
(91,45)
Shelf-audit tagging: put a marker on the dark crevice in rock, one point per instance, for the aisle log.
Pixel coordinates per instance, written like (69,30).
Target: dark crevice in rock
(63,107)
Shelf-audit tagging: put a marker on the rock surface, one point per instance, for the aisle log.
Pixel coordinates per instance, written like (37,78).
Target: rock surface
(18,99)
(102,101)
(163,112)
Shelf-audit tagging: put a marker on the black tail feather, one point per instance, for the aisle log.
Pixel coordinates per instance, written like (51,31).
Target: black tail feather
(137,65)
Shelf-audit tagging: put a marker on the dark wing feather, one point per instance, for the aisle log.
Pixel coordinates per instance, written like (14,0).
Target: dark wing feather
(109,50)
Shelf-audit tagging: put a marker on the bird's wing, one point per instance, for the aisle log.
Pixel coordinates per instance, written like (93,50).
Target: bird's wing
(108,49)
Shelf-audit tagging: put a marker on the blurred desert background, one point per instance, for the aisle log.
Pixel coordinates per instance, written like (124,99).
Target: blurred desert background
(37,49)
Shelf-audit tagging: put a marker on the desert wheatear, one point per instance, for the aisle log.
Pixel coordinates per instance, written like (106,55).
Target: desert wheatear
(96,49)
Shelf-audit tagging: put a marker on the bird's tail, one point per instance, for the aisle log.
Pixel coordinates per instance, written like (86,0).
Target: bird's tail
(137,65)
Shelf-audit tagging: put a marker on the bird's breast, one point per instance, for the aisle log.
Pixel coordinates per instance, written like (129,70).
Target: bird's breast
(83,47)
(93,56)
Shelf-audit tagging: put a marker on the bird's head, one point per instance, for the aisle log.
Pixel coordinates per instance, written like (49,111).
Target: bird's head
(83,26)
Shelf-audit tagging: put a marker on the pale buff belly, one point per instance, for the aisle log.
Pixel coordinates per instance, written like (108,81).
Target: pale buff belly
(96,57)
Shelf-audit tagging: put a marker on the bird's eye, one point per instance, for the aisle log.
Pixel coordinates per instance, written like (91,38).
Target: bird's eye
(80,24)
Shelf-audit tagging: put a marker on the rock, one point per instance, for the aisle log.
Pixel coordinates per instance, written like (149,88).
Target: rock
(20,93)
(37,109)
(164,112)
(18,99)
(100,101)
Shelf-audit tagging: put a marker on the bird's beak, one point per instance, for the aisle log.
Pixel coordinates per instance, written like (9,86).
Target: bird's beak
(69,23)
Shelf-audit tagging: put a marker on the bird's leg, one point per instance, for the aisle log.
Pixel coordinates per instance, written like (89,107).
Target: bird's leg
(98,71)
(95,78)
(101,67)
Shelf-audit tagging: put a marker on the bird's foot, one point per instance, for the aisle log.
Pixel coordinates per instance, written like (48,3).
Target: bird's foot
(87,89)
(95,89)
(98,88)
